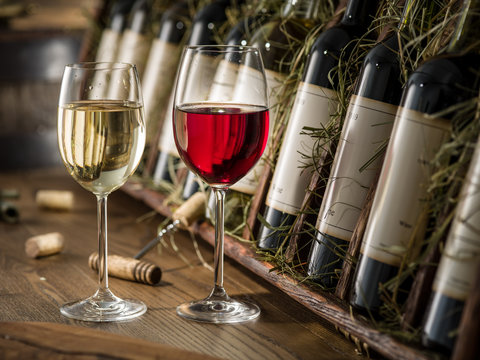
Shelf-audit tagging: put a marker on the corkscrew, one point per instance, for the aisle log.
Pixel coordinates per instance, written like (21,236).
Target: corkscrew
(134,269)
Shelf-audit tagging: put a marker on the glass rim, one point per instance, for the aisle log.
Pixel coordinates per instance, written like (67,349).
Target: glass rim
(101,65)
(222,48)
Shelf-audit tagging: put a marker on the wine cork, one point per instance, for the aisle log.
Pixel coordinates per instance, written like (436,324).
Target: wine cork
(43,245)
(191,209)
(129,269)
(55,199)
(9,212)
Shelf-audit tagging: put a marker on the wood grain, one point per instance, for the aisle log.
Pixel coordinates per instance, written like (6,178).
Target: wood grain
(33,289)
(58,341)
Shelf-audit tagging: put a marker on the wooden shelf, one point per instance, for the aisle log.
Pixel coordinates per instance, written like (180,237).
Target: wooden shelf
(324,304)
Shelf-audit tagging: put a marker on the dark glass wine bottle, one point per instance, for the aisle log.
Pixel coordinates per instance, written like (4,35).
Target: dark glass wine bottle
(458,265)
(239,34)
(111,35)
(314,104)
(204,27)
(398,218)
(358,159)
(161,65)
(135,43)
(278,41)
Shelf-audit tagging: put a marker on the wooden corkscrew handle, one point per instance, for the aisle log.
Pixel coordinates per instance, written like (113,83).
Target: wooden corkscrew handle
(129,269)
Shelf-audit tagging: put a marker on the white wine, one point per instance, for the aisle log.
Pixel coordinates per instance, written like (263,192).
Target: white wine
(101,142)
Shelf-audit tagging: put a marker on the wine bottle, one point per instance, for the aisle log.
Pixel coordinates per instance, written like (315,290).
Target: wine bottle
(278,41)
(314,105)
(358,159)
(458,265)
(226,76)
(398,219)
(135,43)
(162,63)
(110,38)
(204,27)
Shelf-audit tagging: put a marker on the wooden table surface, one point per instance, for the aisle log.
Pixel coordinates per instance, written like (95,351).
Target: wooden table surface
(31,290)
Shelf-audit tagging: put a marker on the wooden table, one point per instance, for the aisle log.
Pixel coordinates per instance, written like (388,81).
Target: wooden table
(31,290)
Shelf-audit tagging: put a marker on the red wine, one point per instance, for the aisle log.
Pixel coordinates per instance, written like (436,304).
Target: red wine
(238,35)
(219,142)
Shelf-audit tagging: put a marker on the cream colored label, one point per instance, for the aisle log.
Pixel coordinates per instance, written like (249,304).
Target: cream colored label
(250,86)
(223,86)
(249,183)
(108,46)
(313,108)
(398,215)
(367,127)
(460,260)
(157,83)
(134,49)
(167,141)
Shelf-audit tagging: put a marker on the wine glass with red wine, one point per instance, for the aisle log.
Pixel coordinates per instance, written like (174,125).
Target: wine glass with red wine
(220,125)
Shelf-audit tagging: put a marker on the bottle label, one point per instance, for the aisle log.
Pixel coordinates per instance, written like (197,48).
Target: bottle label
(275,81)
(108,46)
(134,49)
(157,82)
(166,142)
(367,127)
(461,257)
(398,216)
(223,86)
(313,107)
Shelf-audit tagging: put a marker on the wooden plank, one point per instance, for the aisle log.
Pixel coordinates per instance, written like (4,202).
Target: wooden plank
(58,341)
(33,289)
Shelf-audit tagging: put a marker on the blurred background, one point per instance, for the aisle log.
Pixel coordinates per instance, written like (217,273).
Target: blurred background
(37,39)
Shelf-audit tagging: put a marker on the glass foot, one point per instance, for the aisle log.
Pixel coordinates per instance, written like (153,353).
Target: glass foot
(103,307)
(223,311)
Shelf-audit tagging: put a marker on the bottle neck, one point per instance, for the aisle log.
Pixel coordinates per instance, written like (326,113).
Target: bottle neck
(359,12)
(139,19)
(465,36)
(303,9)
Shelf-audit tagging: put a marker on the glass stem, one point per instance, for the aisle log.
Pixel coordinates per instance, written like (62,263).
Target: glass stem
(102,243)
(218,290)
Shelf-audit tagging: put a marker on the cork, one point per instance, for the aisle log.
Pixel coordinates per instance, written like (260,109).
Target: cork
(191,209)
(60,200)
(43,245)
(129,269)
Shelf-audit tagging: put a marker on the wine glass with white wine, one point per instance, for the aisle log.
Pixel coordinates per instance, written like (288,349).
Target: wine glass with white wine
(101,136)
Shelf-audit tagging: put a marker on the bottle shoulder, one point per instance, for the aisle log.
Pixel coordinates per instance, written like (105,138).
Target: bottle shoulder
(337,37)
(442,82)
(325,52)
(205,22)
(446,69)
(173,24)
(278,40)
